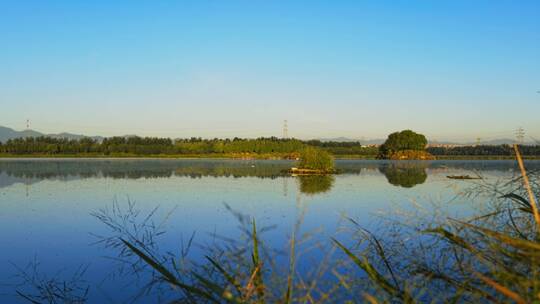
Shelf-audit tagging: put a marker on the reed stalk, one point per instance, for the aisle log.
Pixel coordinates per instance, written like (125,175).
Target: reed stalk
(527,185)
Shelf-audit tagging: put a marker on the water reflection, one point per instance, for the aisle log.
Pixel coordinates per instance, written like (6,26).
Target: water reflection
(315,184)
(403,173)
(61,241)
(406,175)
(36,286)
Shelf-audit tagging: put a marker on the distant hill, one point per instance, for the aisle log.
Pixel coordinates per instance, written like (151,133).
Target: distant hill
(8,133)
(338,139)
(501,141)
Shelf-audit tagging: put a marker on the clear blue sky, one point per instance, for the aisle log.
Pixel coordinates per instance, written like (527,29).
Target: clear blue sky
(450,69)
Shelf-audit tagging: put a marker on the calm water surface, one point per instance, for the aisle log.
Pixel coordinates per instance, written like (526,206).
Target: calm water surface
(47,206)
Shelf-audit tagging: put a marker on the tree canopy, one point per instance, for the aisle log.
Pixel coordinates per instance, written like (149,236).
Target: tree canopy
(404,140)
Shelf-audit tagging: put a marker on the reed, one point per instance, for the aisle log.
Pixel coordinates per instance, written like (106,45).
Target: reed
(491,258)
(494,257)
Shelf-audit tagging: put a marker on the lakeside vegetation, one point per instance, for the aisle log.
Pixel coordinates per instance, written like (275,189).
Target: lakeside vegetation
(314,161)
(489,257)
(260,148)
(271,147)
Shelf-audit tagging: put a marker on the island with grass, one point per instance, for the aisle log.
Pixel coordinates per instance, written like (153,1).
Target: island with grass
(314,161)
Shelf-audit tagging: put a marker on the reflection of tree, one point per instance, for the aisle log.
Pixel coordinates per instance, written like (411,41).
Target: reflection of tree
(34,171)
(406,175)
(315,184)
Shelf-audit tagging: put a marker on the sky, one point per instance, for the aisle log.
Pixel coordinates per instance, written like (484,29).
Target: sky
(453,70)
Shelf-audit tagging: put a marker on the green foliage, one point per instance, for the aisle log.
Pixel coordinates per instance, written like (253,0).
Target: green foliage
(134,145)
(149,146)
(316,159)
(484,150)
(404,140)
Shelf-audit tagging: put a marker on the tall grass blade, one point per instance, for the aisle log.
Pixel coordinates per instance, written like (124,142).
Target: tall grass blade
(230,278)
(502,289)
(290,277)
(257,264)
(527,185)
(509,240)
(167,275)
(525,205)
(375,276)
(220,291)
(27,298)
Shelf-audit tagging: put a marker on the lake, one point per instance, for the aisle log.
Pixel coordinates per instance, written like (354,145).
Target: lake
(54,213)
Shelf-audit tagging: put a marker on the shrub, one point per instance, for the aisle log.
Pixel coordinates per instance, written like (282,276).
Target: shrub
(316,159)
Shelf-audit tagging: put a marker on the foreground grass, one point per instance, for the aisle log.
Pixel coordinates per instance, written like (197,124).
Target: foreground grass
(488,264)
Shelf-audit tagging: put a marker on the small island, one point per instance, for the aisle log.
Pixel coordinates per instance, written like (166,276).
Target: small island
(405,145)
(314,161)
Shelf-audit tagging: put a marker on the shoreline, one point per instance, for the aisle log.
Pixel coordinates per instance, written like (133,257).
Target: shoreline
(234,157)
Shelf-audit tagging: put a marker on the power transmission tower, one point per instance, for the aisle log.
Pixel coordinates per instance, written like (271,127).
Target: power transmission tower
(520,135)
(28,124)
(285,129)
(478,139)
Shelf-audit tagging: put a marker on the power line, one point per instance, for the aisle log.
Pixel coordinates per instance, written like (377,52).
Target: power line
(520,135)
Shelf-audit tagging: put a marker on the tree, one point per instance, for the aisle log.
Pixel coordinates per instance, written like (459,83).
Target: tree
(405,140)
(402,141)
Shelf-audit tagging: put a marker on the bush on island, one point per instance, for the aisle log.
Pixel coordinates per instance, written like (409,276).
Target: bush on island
(406,144)
(315,159)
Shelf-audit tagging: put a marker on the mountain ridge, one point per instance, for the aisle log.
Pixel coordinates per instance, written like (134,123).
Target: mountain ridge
(8,133)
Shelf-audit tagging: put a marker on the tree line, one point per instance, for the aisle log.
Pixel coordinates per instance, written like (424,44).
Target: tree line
(190,146)
(161,146)
(484,150)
